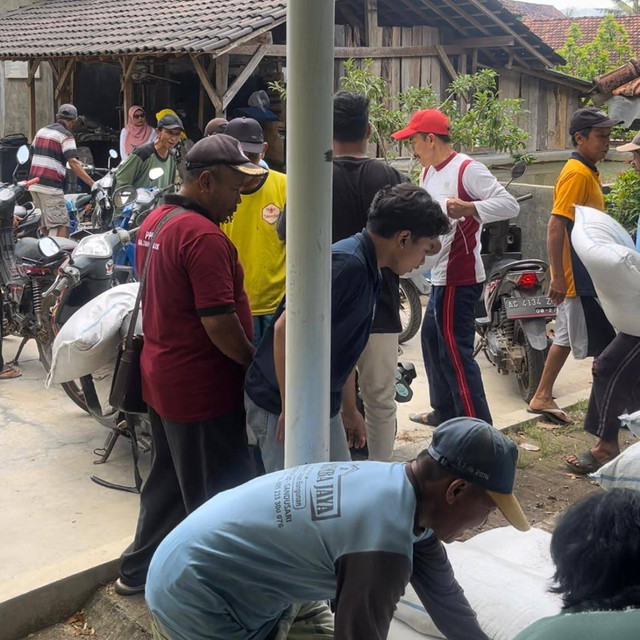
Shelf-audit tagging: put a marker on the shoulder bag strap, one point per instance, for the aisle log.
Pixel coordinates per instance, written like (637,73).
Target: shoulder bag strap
(134,316)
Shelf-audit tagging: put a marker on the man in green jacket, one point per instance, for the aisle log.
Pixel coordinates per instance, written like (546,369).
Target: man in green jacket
(135,169)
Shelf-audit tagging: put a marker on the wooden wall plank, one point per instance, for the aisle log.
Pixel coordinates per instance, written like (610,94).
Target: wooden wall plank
(562,125)
(396,41)
(405,65)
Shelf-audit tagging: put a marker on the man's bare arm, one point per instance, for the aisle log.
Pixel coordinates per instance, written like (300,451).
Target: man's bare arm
(279,339)
(556,230)
(227,334)
(76,166)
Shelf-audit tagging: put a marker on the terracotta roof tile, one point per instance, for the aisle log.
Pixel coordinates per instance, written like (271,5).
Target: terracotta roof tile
(533,11)
(90,27)
(554,32)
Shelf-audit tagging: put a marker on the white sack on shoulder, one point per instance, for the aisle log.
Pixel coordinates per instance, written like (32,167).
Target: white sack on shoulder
(90,338)
(609,255)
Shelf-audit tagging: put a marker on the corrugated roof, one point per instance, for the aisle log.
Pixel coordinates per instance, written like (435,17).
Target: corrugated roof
(106,27)
(532,10)
(554,32)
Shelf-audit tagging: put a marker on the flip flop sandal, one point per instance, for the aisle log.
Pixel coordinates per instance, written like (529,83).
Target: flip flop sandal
(587,463)
(557,416)
(9,373)
(426,419)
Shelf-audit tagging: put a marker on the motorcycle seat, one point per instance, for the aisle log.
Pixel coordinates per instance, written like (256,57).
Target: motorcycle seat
(28,247)
(82,200)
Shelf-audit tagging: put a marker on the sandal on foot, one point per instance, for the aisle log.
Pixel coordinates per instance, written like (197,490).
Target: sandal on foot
(426,419)
(9,373)
(557,416)
(587,463)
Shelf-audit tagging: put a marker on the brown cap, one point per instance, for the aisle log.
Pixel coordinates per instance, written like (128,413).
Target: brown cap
(217,125)
(221,149)
(634,145)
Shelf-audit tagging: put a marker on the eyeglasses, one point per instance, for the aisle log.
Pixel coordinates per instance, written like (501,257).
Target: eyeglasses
(138,116)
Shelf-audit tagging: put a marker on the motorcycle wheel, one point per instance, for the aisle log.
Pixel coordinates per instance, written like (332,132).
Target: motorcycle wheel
(72,388)
(410,310)
(533,365)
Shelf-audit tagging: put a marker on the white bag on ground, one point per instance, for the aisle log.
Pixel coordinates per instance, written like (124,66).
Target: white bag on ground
(505,575)
(609,255)
(89,340)
(622,472)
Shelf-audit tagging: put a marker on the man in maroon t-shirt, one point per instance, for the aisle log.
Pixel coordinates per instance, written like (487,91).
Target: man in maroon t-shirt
(197,345)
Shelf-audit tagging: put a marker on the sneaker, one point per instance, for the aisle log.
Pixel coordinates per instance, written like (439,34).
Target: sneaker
(126,590)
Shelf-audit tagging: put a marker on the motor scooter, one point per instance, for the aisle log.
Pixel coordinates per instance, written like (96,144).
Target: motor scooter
(512,327)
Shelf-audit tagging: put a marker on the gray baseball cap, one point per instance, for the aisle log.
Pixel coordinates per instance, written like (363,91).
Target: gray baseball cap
(474,450)
(67,111)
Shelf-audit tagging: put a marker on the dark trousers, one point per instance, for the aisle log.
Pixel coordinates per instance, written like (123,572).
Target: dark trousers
(190,463)
(616,387)
(448,334)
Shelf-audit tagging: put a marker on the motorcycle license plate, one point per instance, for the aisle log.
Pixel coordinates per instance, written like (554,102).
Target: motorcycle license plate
(533,307)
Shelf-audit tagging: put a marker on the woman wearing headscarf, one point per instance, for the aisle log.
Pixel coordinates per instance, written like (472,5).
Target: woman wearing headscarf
(136,133)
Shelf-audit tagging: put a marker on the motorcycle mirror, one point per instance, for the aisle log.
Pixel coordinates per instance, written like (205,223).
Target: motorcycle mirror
(518,169)
(123,196)
(113,153)
(22,156)
(155,173)
(48,247)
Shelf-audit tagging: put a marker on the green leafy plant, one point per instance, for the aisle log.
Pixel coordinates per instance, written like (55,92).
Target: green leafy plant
(479,116)
(609,49)
(623,201)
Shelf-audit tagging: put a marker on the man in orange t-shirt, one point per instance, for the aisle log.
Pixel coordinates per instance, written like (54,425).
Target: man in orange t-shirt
(581,326)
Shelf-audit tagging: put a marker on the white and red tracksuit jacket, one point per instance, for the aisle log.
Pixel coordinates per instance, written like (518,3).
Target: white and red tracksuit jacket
(459,262)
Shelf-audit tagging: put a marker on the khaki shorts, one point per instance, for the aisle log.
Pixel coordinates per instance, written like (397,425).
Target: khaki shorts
(53,208)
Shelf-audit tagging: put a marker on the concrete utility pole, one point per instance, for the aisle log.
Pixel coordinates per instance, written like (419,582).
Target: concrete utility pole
(310,29)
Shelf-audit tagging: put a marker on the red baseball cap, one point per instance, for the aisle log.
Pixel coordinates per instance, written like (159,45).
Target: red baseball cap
(424,121)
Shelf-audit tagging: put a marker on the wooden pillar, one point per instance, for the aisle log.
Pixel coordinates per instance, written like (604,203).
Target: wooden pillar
(62,91)
(31,83)
(126,84)
(222,79)
(202,97)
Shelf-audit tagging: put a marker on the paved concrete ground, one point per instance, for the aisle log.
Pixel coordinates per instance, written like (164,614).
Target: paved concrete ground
(55,522)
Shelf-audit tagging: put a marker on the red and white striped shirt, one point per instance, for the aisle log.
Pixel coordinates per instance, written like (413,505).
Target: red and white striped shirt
(459,176)
(52,147)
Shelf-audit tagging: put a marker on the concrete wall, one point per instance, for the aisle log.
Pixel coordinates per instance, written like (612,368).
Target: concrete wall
(14,93)
(533,218)
(14,102)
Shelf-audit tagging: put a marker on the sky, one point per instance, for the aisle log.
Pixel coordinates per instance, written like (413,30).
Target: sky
(579,4)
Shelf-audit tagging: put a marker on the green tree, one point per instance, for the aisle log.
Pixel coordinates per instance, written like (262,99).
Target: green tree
(609,49)
(623,201)
(479,116)
(622,8)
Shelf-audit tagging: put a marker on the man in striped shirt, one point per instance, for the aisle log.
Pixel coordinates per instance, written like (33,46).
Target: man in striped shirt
(53,147)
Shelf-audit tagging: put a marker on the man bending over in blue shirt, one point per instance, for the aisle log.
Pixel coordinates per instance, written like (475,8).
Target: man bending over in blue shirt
(239,567)
(402,229)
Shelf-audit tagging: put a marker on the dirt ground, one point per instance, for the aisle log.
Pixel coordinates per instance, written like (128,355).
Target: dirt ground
(544,486)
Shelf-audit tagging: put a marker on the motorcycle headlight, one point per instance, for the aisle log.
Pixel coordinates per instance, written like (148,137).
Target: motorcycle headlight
(95,246)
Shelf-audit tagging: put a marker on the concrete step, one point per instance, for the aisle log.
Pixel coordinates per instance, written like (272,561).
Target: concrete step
(57,632)
(112,617)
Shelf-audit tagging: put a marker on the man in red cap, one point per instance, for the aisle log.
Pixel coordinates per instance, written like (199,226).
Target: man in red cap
(471,196)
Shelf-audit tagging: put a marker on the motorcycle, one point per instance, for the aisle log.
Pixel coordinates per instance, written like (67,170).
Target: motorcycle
(84,274)
(133,215)
(28,266)
(91,212)
(512,327)
(413,285)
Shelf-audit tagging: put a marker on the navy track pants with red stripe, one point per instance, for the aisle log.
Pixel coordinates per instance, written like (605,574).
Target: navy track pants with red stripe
(448,334)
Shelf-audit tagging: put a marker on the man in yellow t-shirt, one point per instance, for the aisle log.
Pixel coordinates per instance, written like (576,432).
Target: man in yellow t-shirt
(253,229)
(581,326)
